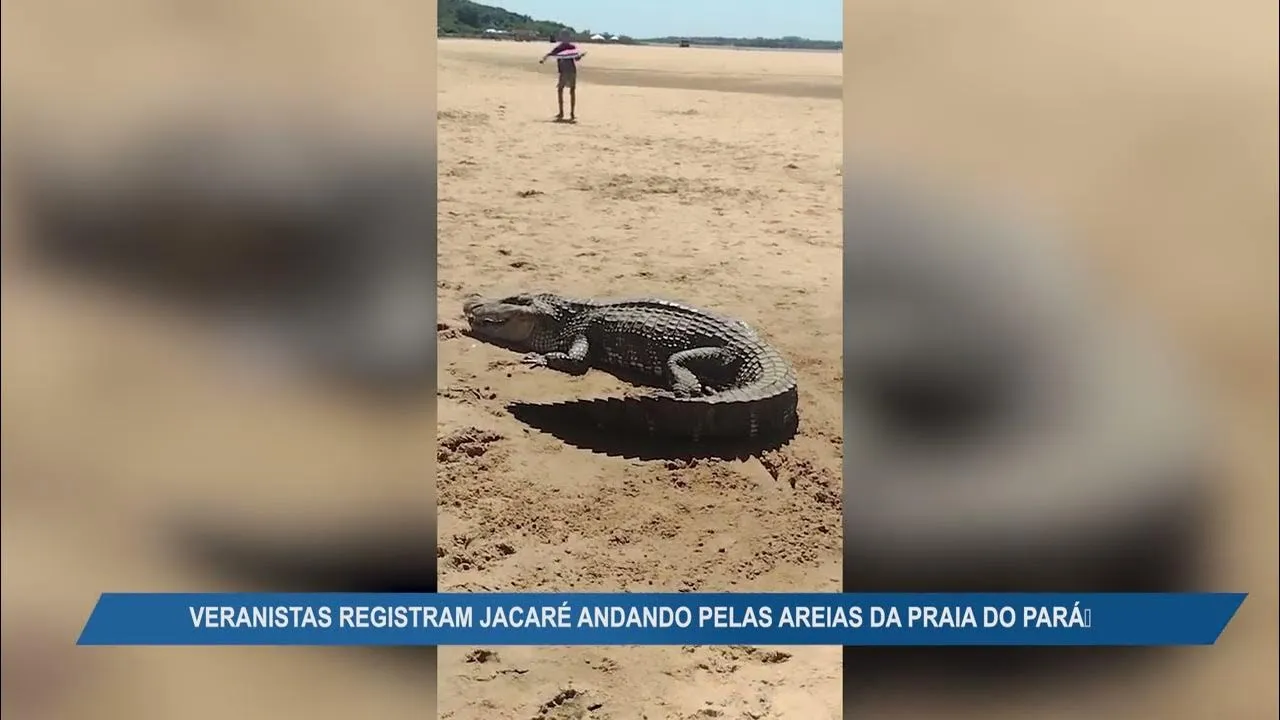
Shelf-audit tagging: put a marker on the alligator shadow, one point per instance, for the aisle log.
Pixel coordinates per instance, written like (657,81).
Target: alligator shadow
(566,422)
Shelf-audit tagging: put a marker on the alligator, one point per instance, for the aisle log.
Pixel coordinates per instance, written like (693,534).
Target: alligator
(715,378)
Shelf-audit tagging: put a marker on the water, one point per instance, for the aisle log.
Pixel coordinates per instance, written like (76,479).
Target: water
(745,48)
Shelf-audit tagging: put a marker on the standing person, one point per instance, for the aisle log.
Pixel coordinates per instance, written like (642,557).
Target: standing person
(568,68)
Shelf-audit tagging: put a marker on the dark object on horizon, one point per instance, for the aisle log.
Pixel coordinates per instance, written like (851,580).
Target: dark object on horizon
(684,43)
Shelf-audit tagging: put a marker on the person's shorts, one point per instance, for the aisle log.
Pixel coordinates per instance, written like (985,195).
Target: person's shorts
(568,80)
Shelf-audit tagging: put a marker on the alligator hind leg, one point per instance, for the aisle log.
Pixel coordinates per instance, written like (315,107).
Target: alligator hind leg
(573,362)
(684,381)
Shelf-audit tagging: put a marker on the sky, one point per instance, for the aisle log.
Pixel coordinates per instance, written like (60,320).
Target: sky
(813,19)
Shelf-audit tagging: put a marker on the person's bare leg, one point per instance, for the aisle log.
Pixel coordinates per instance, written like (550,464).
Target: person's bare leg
(573,103)
(560,102)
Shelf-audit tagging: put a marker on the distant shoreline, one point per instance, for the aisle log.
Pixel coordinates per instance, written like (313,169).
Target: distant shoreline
(696,46)
(638,43)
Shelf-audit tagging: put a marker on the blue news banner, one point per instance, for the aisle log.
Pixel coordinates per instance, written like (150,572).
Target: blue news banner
(660,619)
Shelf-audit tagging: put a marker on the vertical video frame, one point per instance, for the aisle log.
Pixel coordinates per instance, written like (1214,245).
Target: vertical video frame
(639,381)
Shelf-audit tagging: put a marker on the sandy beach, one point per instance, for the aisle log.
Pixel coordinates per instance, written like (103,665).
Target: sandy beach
(710,176)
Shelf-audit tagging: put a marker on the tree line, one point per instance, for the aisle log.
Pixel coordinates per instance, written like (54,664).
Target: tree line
(464,18)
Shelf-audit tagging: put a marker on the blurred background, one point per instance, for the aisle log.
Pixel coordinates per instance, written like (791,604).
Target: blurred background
(218,261)
(1135,143)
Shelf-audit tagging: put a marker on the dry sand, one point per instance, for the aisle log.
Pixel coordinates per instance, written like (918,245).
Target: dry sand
(673,187)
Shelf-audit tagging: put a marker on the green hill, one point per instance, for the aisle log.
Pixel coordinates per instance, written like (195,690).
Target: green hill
(463,17)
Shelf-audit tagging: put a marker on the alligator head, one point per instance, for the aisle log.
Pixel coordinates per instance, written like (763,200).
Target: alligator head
(522,321)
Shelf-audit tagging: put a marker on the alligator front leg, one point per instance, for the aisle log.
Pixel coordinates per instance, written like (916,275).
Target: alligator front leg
(685,382)
(573,362)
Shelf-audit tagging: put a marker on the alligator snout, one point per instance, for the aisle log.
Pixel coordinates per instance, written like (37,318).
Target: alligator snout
(470,304)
